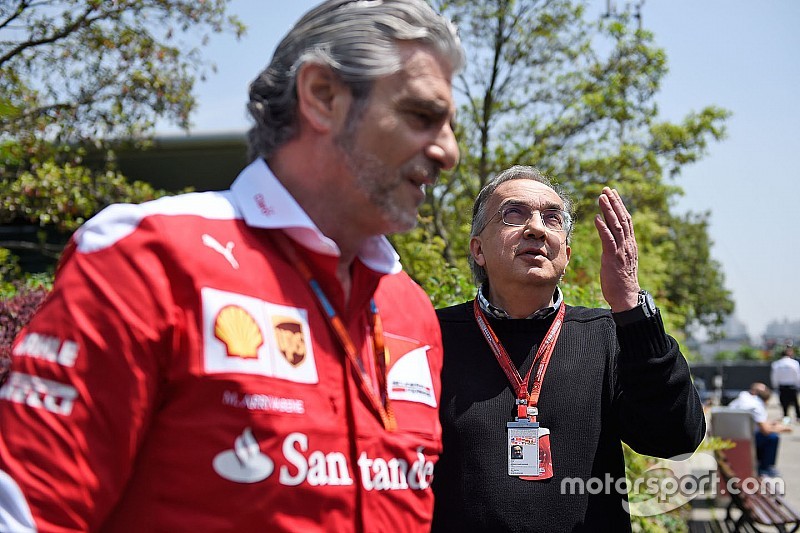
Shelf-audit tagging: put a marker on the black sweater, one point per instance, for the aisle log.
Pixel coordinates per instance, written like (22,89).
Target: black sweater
(604,384)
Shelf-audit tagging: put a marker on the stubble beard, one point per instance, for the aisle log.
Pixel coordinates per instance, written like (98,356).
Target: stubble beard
(374,179)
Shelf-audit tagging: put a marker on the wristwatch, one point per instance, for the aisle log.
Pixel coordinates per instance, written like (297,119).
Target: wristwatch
(645,308)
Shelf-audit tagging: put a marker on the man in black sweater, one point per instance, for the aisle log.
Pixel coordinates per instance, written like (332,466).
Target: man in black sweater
(525,374)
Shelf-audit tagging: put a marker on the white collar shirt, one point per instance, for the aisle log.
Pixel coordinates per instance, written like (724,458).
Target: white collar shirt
(495,312)
(265,203)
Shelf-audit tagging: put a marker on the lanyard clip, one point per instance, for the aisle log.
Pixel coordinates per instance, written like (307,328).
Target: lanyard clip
(525,412)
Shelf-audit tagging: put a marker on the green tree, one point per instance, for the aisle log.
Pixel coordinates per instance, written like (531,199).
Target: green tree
(696,272)
(550,86)
(743,353)
(87,73)
(88,69)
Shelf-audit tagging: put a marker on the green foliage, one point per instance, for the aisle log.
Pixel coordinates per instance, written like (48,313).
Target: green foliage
(725,355)
(423,261)
(712,444)
(58,195)
(636,468)
(31,283)
(580,284)
(65,196)
(743,353)
(9,266)
(695,273)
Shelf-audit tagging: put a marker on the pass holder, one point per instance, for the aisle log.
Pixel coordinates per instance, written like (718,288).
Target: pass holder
(523,447)
(529,456)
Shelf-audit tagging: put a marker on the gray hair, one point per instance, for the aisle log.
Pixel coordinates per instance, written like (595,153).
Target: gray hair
(481,216)
(357,40)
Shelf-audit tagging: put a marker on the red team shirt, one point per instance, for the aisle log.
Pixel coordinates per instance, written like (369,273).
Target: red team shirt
(180,377)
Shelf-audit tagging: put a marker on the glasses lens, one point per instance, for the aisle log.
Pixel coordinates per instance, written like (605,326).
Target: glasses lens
(516,214)
(554,219)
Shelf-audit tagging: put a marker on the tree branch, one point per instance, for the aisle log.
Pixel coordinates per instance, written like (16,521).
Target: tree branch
(83,21)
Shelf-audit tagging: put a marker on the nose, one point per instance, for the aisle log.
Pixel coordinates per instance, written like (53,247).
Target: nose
(535,227)
(444,148)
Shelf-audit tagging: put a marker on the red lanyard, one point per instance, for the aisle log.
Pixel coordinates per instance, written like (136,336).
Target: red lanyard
(520,386)
(380,401)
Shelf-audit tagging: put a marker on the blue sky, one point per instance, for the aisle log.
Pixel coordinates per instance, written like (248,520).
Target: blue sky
(738,54)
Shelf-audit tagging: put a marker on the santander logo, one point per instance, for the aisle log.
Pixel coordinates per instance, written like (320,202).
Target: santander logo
(245,463)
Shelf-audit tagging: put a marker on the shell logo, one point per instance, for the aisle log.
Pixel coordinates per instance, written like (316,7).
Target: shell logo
(238,330)
(291,343)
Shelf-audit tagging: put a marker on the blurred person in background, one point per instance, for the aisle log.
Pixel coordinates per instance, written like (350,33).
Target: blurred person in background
(767,432)
(785,377)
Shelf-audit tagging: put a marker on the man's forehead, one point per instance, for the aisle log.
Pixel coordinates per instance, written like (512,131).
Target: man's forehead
(425,71)
(526,191)
(418,57)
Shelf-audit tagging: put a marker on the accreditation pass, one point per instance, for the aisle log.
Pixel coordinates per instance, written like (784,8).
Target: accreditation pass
(523,448)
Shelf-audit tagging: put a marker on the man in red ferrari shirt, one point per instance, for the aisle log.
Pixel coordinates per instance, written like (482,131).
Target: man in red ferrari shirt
(254,359)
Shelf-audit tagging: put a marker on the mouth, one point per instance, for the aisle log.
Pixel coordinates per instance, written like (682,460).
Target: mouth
(420,182)
(419,176)
(417,190)
(422,175)
(534,253)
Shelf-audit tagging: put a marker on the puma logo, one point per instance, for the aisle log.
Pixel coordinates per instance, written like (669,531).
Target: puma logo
(226,251)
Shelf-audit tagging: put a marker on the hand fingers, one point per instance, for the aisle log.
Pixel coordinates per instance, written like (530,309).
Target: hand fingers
(618,229)
(610,219)
(616,215)
(606,237)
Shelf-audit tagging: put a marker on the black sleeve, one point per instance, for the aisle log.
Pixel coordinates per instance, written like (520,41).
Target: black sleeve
(658,409)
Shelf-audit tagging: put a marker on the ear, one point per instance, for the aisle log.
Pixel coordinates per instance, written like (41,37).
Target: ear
(476,249)
(322,100)
(569,254)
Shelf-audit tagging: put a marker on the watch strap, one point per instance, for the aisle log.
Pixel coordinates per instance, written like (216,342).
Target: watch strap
(645,309)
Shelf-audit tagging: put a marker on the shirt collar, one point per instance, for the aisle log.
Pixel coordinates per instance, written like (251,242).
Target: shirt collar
(495,312)
(265,203)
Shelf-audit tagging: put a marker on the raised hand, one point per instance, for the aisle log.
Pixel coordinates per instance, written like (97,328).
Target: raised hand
(620,259)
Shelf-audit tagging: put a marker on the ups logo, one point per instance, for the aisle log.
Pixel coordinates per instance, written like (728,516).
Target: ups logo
(291,343)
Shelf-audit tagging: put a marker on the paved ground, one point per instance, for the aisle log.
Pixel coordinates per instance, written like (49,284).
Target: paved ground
(708,514)
(789,459)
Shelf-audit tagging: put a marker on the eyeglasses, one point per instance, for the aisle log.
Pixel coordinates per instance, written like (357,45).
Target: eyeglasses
(519,215)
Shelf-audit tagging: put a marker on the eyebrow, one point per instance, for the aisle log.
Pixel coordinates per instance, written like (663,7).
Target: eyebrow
(431,106)
(549,205)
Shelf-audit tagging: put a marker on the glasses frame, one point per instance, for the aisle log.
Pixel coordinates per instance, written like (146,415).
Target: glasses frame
(565,214)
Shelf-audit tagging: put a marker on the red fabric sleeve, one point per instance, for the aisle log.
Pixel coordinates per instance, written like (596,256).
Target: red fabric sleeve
(84,381)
